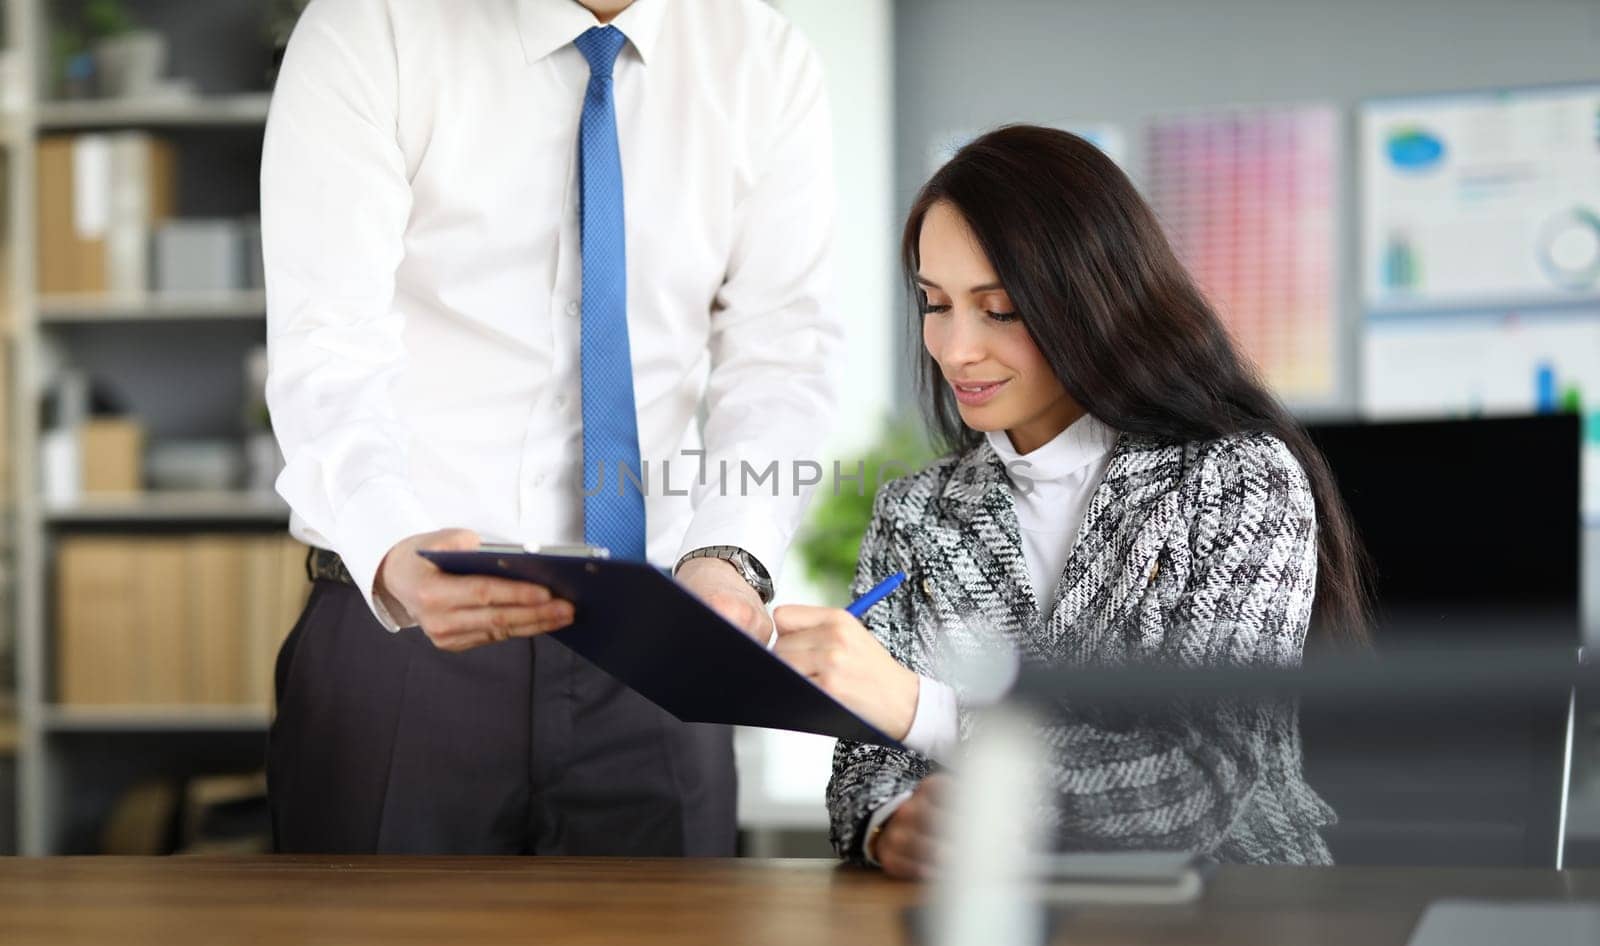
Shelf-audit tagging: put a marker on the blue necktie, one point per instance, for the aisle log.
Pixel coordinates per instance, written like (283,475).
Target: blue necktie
(613,516)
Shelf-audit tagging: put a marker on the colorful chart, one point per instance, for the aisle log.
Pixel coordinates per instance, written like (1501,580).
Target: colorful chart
(1247,198)
(1490,363)
(1481,199)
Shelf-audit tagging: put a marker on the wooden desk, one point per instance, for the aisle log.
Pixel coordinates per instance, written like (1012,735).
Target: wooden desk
(356,901)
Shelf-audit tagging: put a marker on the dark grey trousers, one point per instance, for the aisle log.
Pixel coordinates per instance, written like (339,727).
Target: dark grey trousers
(384,744)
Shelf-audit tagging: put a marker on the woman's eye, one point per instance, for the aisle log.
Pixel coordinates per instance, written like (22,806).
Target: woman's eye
(930,309)
(1003,316)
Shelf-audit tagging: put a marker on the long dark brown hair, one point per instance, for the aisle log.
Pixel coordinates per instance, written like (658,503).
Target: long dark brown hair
(1127,332)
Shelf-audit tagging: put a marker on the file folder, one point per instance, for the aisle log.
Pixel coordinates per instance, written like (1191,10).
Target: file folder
(639,625)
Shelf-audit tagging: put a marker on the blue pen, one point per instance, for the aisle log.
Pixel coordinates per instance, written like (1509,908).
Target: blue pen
(879,591)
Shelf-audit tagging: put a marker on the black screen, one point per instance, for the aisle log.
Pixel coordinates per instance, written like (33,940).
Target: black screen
(1471,524)
(1473,528)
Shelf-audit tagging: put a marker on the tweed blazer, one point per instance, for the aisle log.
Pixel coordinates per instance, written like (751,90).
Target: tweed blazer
(1194,554)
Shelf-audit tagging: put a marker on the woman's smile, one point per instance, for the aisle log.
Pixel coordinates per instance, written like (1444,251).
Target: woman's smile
(975,393)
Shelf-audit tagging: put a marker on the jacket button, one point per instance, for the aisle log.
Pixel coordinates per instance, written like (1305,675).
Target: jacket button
(1155,570)
(927,587)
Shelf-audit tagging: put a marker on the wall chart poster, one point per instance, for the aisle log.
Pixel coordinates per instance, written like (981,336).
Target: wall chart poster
(1481,199)
(1489,363)
(1248,198)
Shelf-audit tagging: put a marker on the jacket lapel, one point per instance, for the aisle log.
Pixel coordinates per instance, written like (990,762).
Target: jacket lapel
(974,563)
(1113,560)
(981,546)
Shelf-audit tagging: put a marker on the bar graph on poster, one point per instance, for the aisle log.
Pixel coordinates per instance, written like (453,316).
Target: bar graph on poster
(1480,248)
(1482,199)
(1247,197)
(1483,364)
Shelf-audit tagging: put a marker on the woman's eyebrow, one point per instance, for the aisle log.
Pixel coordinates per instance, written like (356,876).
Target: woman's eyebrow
(986,287)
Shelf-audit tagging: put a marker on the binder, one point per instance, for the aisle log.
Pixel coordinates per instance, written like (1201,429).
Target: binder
(99,194)
(642,627)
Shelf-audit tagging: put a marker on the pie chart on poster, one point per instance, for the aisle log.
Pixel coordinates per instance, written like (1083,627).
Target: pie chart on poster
(1569,248)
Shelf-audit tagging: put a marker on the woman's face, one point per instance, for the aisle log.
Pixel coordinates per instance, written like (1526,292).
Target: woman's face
(969,326)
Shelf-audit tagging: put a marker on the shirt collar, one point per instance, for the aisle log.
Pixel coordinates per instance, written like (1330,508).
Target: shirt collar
(548,25)
(1085,441)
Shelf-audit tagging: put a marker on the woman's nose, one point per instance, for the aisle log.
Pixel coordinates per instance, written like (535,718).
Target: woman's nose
(963,340)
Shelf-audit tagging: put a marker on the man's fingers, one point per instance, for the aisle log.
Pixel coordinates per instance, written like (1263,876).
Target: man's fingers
(502,622)
(736,610)
(460,642)
(451,540)
(454,592)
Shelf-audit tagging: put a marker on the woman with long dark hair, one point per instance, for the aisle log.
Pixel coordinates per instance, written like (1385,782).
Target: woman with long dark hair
(1120,487)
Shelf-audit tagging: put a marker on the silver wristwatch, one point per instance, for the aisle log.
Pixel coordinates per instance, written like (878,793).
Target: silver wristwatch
(749,569)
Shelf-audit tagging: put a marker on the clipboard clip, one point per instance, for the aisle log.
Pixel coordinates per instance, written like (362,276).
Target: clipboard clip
(568,550)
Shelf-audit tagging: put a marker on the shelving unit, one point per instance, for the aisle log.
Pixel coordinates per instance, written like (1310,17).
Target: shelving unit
(154,719)
(65,309)
(18,557)
(211,112)
(73,759)
(157,508)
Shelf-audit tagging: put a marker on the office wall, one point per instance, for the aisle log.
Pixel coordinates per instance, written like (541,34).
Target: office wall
(855,45)
(961,65)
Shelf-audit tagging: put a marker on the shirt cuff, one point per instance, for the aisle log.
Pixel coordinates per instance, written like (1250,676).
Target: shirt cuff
(718,522)
(876,822)
(935,727)
(378,515)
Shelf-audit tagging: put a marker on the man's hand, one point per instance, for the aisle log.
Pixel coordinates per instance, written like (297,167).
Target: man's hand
(840,655)
(460,612)
(908,844)
(720,585)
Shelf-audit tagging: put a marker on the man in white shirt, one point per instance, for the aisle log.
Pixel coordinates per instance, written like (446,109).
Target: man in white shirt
(512,246)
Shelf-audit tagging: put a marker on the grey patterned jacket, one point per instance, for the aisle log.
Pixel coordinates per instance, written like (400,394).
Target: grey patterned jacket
(1195,554)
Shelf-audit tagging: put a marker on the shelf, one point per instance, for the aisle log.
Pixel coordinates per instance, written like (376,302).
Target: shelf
(200,719)
(216,112)
(171,507)
(65,309)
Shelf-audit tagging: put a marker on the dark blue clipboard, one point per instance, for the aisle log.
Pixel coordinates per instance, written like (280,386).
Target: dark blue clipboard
(642,627)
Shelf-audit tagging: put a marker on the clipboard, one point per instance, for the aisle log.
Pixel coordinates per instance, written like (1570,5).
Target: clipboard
(639,625)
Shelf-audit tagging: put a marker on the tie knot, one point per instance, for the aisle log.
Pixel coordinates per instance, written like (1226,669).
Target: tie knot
(600,45)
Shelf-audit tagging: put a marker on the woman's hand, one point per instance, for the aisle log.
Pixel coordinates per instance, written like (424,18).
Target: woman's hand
(907,846)
(841,656)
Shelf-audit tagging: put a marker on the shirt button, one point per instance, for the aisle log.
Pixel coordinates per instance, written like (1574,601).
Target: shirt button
(561,400)
(572,308)
(538,480)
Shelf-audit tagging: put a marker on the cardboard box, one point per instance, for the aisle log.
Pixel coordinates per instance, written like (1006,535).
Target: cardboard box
(112,453)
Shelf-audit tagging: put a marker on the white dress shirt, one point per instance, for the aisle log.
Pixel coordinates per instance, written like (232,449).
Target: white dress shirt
(1050,489)
(420,226)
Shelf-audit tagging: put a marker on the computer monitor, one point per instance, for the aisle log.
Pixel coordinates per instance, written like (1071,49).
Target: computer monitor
(1473,531)
(1469,523)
